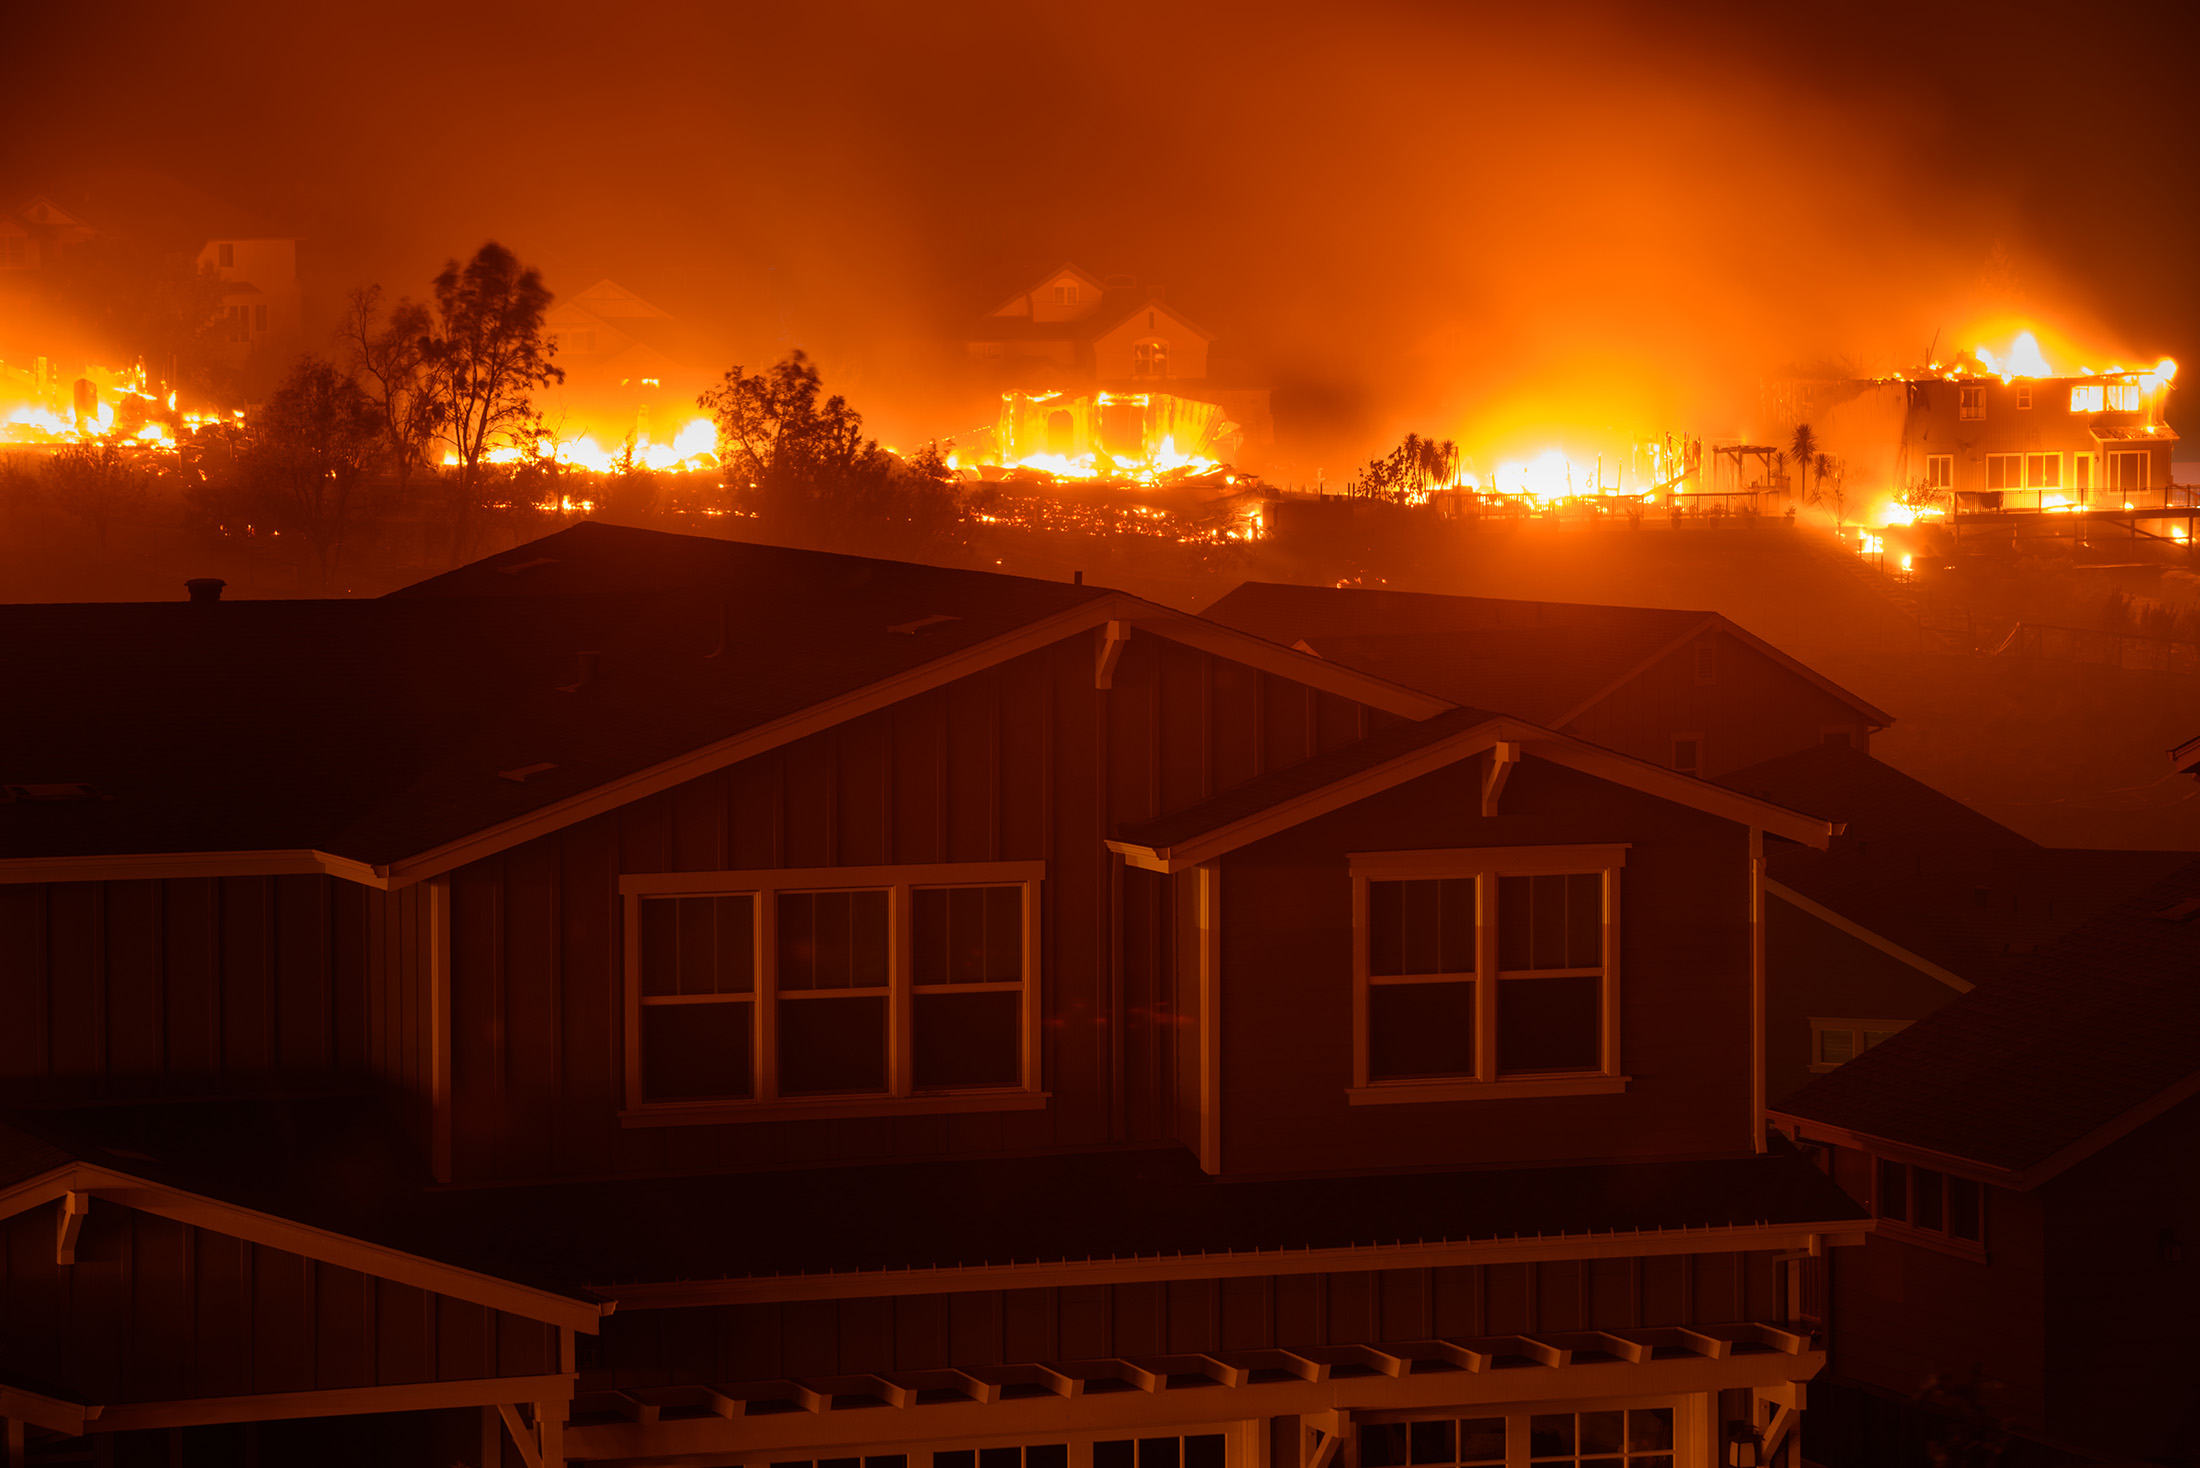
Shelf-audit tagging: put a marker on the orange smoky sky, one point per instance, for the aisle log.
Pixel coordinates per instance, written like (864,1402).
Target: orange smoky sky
(1477,221)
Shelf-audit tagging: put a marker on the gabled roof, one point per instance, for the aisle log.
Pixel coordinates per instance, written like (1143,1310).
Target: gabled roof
(1069,267)
(1548,662)
(1959,895)
(1119,319)
(329,1164)
(330,1180)
(2019,1079)
(1390,757)
(389,740)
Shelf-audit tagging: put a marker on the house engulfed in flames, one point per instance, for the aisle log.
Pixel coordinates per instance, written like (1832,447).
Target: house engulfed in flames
(1994,432)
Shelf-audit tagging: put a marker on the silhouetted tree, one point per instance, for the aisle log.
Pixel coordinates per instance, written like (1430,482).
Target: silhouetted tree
(95,482)
(800,456)
(387,355)
(1416,465)
(1803,448)
(1829,467)
(485,356)
(311,448)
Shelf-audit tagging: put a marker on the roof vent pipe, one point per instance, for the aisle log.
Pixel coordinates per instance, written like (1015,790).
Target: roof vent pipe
(205,590)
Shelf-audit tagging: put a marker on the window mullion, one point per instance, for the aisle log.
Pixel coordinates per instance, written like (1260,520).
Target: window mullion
(767,995)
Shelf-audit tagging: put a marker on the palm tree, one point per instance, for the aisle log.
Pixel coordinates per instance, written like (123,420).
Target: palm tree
(1803,449)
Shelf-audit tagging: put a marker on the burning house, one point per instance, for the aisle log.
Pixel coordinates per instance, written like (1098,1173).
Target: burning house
(1994,433)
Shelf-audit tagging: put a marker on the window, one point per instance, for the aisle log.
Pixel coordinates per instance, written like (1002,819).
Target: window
(1971,403)
(259,318)
(757,993)
(1940,471)
(1707,662)
(1150,359)
(2005,471)
(1452,1441)
(1924,1201)
(1688,754)
(1065,295)
(1835,1042)
(237,322)
(1036,1455)
(2123,397)
(2086,398)
(225,255)
(1842,737)
(2024,396)
(1610,1437)
(2081,471)
(2043,471)
(1486,972)
(16,252)
(1639,1437)
(1201,1450)
(2127,469)
(877,1460)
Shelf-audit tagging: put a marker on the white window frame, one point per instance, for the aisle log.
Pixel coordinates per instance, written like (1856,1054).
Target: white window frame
(2120,459)
(1971,403)
(2124,397)
(1857,1028)
(1485,864)
(2050,460)
(1940,471)
(2009,481)
(2081,471)
(2088,397)
(900,1096)
(2024,397)
(1153,353)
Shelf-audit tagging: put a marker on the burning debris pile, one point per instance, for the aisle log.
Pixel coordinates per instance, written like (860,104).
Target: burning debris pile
(1129,463)
(42,405)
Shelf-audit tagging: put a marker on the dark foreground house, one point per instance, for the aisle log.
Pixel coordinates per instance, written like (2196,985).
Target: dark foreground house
(1688,690)
(1918,899)
(2027,1149)
(645,999)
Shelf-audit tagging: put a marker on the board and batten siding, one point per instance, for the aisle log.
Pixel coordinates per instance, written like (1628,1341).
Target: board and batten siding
(1026,761)
(1684,981)
(1753,709)
(182,986)
(729,1343)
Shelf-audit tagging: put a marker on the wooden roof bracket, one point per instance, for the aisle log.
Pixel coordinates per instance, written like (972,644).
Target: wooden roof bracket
(69,1226)
(1503,756)
(1111,652)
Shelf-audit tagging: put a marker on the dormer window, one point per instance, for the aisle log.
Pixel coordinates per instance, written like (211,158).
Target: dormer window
(1150,359)
(1065,295)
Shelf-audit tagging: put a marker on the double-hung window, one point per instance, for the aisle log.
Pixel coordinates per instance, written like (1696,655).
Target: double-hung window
(765,994)
(1486,972)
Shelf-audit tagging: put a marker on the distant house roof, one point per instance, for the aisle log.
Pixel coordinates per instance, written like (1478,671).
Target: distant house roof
(1547,662)
(143,204)
(405,735)
(1011,305)
(2023,1077)
(1967,895)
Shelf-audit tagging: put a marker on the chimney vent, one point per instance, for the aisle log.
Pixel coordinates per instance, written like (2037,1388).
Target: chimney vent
(205,590)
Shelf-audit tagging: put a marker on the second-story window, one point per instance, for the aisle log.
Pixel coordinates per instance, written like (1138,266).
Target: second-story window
(762,990)
(1065,295)
(1150,359)
(2024,397)
(2086,398)
(1971,402)
(2123,397)
(1485,971)
(225,255)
